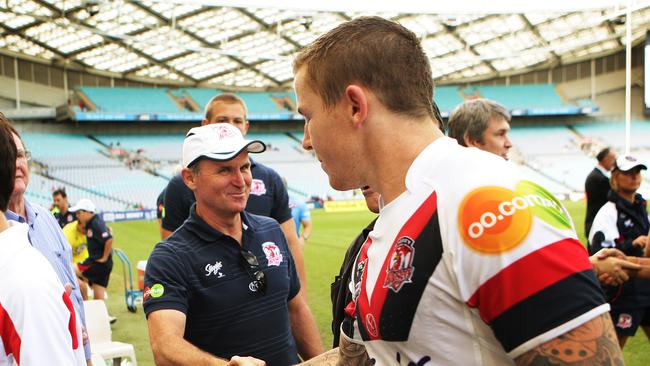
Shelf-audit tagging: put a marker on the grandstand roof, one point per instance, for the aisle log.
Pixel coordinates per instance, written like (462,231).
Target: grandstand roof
(197,43)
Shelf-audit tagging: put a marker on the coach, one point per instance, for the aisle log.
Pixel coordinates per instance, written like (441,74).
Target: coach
(268,195)
(224,283)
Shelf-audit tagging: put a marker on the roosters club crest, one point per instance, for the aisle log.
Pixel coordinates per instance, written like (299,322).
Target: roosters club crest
(257,187)
(273,254)
(400,267)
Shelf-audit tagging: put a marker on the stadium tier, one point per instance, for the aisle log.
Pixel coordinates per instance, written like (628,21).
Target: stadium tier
(131,100)
(122,171)
(86,168)
(187,104)
(613,133)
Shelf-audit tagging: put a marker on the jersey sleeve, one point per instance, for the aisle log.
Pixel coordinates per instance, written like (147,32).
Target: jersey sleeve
(165,282)
(40,325)
(604,232)
(176,208)
(100,231)
(517,253)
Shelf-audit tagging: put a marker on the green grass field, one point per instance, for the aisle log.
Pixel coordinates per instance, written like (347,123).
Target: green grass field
(323,255)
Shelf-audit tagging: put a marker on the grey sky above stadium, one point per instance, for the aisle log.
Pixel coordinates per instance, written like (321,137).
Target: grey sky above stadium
(201,43)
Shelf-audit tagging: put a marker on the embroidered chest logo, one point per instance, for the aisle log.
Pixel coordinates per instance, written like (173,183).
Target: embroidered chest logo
(628,223)
(272,253)
(400,267)
(214,269)
(89,233)
(358,274)
(257,187)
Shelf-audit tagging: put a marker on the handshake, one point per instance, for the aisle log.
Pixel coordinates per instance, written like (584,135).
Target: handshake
(614,268)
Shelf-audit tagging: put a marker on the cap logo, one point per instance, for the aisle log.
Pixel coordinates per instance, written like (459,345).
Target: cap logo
(225,131)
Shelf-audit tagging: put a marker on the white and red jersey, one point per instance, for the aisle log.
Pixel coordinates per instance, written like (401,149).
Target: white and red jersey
(38,323)
(472,265)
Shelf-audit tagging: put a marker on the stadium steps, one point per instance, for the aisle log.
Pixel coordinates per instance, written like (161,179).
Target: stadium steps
(85,189)
(548,176)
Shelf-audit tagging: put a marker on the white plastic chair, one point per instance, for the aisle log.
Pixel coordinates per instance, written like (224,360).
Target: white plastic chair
(98,360)
(99,331)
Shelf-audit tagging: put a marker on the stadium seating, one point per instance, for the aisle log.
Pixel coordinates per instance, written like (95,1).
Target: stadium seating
(84,167)
(131,100)
(154,147)
(201,95)
(613,133)
(447,97)
(522,97)
(187,104)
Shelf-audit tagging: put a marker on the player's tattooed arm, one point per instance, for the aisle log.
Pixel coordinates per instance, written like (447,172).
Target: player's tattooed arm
(592,343)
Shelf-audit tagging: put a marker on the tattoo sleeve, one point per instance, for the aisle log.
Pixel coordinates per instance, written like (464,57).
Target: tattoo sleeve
(592,343)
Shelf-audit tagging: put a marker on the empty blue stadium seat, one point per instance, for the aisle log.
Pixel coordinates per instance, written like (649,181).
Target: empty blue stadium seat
(131,100)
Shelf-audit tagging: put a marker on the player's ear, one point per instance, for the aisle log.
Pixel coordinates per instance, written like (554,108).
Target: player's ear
(189,177)
(357,100)
(468,141)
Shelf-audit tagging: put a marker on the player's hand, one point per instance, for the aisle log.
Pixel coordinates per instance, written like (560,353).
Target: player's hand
(614,271)
(640,241)
(245,361)
(101,260)
(609,252)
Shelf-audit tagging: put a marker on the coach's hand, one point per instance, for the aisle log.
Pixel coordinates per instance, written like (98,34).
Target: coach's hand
(245,361)
(640,241)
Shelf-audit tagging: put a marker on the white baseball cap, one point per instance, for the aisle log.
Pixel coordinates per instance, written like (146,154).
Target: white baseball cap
(83,204)
(628,162)
(217,141)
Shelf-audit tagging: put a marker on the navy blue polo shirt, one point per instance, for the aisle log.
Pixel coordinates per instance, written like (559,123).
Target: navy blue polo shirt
(268,198)
(97,234)
(200,272)
(64,218)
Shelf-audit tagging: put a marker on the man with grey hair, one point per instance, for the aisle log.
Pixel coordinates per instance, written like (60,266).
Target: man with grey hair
(481,123)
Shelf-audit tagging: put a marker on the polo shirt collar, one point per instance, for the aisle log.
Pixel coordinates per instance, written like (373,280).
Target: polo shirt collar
(29,211)
(206,232)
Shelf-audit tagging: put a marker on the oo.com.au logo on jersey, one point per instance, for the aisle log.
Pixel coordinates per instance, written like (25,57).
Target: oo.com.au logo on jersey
(495,219)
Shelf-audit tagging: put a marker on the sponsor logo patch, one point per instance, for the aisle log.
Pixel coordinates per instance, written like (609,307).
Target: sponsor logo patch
(154,291)
(214,269)
(494,220)
(257,187)
(624,321)
(272,253)
(400,267)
